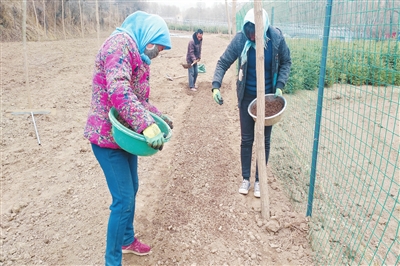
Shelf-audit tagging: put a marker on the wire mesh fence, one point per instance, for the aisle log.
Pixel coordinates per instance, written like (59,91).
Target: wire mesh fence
(341,135)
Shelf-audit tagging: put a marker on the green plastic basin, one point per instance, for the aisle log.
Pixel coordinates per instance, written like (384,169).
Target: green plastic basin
(133,142)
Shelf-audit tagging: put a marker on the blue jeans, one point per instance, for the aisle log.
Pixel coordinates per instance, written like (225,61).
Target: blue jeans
(120,170)
(247,138)
(193,72)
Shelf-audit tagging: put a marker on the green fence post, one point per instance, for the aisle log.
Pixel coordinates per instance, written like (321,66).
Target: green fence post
(328,13)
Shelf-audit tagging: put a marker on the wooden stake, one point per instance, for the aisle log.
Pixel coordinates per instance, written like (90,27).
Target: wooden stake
(260,124)
(28,93)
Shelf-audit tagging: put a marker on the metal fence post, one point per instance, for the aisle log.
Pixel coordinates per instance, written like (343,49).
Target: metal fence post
(321,83)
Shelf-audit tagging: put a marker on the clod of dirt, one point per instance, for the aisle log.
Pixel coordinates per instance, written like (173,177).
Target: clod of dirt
(273,225)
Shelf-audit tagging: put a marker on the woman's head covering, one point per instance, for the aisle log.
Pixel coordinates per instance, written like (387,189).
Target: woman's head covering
(146,28)
(194,36)
(249,17)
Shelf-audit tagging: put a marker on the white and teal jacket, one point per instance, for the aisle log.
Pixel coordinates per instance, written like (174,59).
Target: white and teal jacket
(281,62)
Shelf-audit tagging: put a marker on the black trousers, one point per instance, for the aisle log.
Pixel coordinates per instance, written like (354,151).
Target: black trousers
(247,124)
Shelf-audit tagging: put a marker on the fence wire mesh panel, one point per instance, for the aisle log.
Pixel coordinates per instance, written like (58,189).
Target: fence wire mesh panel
(355,204)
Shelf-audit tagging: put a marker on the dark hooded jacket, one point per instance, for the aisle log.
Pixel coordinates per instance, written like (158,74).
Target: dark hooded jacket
(194,49)
(281,61)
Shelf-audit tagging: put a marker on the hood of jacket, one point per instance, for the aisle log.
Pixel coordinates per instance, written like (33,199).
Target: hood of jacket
(249,17)
(196,41)
(144,29)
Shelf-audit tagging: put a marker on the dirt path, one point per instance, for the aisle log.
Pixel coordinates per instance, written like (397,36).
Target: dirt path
(54,196)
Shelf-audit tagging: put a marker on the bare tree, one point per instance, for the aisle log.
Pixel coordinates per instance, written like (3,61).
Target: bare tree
(109,15)
(234,17)
(34,9)
(55,16)
(62,17)
(229,22)
(98,21)
(81,16)
(44,18)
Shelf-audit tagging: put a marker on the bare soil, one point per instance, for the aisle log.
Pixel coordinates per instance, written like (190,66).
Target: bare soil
(55,201)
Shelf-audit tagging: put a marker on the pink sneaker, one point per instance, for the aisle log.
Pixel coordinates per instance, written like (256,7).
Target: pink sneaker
(136,248)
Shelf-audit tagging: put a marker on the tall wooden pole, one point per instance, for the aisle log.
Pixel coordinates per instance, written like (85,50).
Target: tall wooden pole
(260,124)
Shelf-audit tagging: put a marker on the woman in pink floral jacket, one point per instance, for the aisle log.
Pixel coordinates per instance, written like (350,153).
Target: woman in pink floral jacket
(121,80)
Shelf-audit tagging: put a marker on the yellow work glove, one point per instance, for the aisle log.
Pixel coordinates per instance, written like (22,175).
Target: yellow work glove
(154,136)
(278,92)
(217,96)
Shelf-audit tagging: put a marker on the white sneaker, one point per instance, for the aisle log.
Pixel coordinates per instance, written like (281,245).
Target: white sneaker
(244,188)
(257,189)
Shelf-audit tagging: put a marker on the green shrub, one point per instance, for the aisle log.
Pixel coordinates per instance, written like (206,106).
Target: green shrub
(383,65)
(357,70)
(304,73)
(332,73)
(358,62)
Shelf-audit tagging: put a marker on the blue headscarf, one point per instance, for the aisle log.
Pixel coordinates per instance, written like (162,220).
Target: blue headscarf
(146,28)
(250,18)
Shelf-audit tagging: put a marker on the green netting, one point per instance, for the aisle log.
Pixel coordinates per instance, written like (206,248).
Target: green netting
(346,124)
